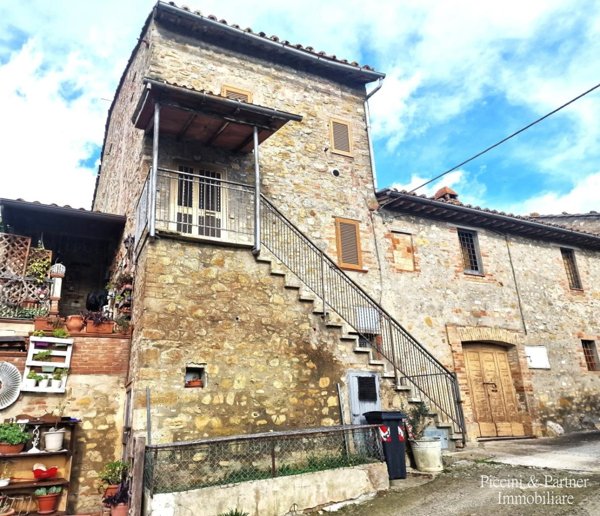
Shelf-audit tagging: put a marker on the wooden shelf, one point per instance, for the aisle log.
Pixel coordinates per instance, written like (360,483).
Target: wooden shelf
(24,455)
(34,484)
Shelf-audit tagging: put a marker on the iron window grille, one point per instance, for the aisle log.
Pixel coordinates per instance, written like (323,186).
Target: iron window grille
(469,247)
(591,355)
(568,256)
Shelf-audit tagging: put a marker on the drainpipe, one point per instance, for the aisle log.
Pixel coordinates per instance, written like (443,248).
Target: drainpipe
(154,175)
(368,117)
(256,249)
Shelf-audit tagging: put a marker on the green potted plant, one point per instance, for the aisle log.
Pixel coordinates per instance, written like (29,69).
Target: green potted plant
(42,356)
(12,438)
(426,451)
(112,475)
(47,499)
(32,379)
(98,322)
(44,381)
(57,377)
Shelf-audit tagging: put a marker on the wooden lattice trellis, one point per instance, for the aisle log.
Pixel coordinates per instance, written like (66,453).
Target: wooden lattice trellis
(18,289)
(14,252)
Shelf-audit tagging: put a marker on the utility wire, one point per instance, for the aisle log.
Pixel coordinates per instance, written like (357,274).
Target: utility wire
(506,139)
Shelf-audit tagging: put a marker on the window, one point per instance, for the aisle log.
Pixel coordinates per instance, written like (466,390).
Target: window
(199,202)
(341,138)
(367,388)
(236,94)
(469,247)
(568,256)
(348,244)
(591,355)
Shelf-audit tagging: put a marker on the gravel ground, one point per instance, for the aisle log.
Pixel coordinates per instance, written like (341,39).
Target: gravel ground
(480,487)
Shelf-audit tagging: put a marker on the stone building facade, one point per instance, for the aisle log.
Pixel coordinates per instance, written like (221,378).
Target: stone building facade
(268,355)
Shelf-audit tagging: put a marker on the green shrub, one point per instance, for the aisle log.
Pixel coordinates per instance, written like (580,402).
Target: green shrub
(12,433)
(234,512)
(113,472)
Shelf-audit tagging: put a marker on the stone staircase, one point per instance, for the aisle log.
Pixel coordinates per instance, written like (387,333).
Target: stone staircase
(331,321)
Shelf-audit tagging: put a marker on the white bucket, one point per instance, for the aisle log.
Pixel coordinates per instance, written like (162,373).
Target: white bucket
(427,453)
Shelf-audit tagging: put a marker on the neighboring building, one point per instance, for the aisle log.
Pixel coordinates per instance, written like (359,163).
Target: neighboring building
(586,222)
(508,303)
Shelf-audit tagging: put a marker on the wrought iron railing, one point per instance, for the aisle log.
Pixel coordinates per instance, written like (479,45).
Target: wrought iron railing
(182,466)
(413,365)
(204,206)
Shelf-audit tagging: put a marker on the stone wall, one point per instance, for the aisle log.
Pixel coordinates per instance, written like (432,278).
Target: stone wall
(95,394)
(276,495)
(522,299)
(296,159)
(270,362)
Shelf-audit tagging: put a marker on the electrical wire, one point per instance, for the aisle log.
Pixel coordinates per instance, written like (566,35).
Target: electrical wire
(507,138)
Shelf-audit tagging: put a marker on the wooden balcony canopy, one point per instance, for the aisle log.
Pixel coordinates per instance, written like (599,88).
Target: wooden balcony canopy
(209,119)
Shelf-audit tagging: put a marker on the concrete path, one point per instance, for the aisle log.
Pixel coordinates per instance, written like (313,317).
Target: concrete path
(574,452)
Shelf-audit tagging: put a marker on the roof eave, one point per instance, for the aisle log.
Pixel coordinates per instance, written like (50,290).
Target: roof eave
(361,74)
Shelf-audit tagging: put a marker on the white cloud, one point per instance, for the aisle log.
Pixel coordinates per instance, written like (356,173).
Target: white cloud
(582,198)
(442,58)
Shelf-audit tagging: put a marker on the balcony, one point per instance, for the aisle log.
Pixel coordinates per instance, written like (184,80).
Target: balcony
(201,205)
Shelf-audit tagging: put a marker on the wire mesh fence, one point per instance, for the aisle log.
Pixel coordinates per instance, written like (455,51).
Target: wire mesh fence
(183,466)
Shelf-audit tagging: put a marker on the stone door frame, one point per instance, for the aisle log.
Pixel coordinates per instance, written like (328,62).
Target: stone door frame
(513,341)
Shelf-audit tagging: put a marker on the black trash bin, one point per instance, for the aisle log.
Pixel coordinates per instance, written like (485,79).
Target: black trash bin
(391,430)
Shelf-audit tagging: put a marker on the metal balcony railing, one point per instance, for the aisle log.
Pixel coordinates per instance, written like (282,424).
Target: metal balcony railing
(204,206)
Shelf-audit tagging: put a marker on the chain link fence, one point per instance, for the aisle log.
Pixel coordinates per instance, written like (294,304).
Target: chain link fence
(183,466)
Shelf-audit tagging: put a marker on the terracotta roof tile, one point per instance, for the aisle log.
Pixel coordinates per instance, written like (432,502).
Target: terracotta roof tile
(298,46)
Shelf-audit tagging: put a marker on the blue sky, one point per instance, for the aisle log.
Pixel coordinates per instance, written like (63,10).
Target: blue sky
(461,75)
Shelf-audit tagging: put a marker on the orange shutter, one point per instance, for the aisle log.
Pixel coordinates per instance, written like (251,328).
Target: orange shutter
(348,243)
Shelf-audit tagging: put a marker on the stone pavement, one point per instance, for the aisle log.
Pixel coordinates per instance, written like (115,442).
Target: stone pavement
(573,452)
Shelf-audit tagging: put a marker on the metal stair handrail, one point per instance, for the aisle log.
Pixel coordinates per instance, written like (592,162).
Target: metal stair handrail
(412,363)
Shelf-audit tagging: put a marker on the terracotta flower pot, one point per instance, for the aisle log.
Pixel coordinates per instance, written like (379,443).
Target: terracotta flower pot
(119,510)
(104,327)
(111,490)
(47,503)
(74,323)
(11,448)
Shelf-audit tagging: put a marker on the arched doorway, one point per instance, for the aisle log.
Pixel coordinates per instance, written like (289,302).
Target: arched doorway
(493,395)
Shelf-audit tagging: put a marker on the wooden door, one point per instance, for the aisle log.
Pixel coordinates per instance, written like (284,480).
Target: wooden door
(492,392)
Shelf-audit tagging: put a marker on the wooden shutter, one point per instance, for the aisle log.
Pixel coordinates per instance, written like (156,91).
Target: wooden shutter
(236,94)
(348,244)
(341,142)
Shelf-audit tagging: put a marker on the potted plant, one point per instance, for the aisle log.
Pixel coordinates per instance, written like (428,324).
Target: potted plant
(12,438)
(43,381)
(42,356)
(75,323)
(31,380)
(426,451)
(119,502)
(112,475)
(57,377)
(4,476)
(98,322)
(47,499)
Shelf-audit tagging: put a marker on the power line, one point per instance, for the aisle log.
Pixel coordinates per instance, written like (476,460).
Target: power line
(506,139)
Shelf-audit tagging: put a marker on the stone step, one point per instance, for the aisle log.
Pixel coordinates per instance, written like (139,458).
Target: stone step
(360,349)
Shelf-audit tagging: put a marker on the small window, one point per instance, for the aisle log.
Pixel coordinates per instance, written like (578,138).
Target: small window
(591,355)
(236,94)
(341,137)
(348,244)
(367,388)
(469,247)
(195,376)
(568,256)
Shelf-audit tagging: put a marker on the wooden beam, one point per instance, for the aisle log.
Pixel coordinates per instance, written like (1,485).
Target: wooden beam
(186,126)
(224,126)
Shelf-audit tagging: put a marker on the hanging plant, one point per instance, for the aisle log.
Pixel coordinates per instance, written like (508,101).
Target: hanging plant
(39,269)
